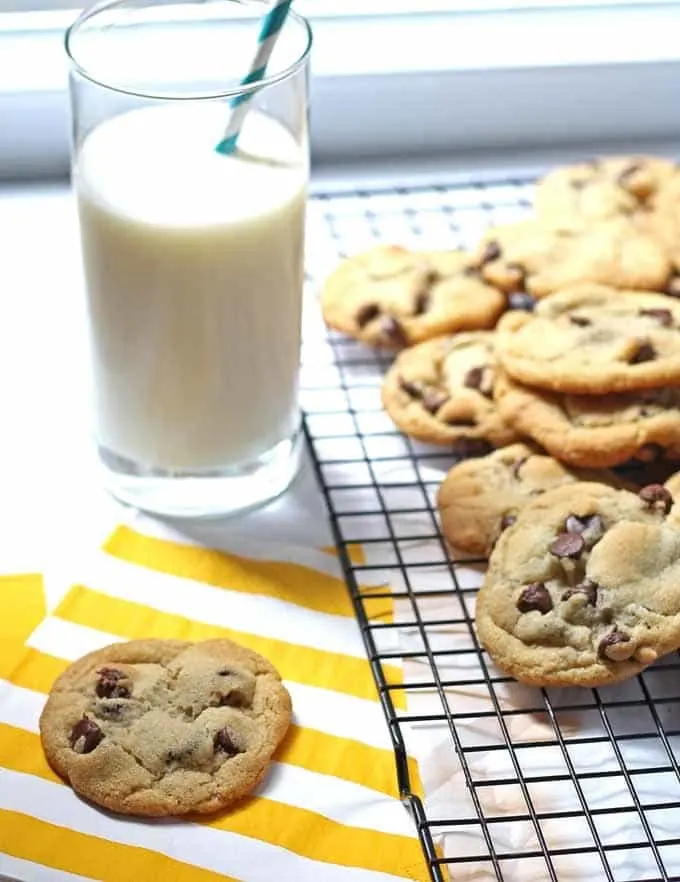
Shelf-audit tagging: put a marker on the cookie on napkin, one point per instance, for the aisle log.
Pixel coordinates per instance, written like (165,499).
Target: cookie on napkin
(165,727)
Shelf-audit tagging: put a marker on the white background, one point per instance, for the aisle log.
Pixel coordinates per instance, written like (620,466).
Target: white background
(489,83)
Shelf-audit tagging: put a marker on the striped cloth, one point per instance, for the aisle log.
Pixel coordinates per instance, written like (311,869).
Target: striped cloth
(328,811)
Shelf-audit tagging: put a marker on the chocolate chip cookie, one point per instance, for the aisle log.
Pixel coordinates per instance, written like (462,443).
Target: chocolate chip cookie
(536,259)
(612,186)
(584,588)
(643,190)
(594,340)
(391,297)
(480,498)
(165,727)
(594,431)
(441,391)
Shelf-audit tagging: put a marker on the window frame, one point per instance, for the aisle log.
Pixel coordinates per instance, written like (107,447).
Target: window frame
(461,86)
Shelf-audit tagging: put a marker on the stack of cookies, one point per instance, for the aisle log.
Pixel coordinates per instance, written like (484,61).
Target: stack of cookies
(542,358)
(592,375)
(562,330)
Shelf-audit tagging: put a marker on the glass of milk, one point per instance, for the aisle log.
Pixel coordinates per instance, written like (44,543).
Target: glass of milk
(193,260)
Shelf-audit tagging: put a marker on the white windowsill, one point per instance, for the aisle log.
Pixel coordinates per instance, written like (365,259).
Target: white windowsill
(454,85)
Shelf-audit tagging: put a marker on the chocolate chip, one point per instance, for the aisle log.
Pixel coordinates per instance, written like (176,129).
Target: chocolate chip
(517,465)
(85,735)
(591,528)
(109,685)
(465,422)
(613,646)
(469,448)
(413,388)
(568,545)
(433,400)
(580,321)
(492,251)
(521,300)
(473,378)
(366,314)
(663,316)
(479,378)
(535,597)
(223,742)
(673,286)
(422,302)
(656,493)
(507,521)
(587,588)
(225,672)
(644,352)
(392,332)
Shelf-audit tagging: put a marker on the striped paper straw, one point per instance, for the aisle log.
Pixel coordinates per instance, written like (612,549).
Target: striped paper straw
(269,32)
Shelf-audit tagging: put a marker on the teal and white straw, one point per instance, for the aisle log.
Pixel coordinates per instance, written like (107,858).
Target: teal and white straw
(269,32)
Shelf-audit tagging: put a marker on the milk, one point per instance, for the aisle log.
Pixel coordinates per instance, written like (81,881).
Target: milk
(194,271)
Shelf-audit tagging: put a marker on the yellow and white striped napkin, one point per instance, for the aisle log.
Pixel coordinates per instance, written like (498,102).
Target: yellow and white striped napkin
(329,809)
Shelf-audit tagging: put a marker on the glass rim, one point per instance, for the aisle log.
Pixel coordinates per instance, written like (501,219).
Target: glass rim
(234,92)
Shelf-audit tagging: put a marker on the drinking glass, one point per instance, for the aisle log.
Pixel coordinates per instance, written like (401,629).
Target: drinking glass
(192,257)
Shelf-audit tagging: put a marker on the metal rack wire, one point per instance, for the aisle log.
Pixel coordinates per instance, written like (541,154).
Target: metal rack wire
(544,784)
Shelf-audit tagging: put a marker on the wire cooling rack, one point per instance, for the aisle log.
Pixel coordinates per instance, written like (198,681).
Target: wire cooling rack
(519,783)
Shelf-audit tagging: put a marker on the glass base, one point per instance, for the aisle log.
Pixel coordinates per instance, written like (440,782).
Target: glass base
(203,494)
